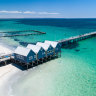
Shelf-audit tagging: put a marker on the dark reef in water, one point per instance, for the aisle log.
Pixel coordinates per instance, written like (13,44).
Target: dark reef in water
(71,46)
(84,48)
(25,43)
(16,39)
(58,22)
(77,50)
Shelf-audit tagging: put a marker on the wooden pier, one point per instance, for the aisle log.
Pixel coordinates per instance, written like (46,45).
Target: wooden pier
(21,35)
(5,58)
(77,38)
(24,31)
(27,34)
(65,42)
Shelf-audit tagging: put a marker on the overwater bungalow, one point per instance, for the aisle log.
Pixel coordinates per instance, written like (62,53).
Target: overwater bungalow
(55,45)
(39,51)
(24,55)
(47,47)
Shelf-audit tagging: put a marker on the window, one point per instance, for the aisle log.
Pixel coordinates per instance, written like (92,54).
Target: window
(41,49)
(20,57)
(17,56)
(51,51)
(43,53)
(34,56)
(31,57)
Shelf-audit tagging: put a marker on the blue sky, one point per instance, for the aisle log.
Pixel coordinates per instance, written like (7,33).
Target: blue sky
(47,8)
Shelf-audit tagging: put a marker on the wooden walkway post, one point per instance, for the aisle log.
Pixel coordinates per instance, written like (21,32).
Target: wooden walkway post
(27,66)
(42,60)
(37,61)
(5,62)
(60,53)
(32,64)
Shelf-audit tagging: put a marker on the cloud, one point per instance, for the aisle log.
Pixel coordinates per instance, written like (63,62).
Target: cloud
(47,13)
(40,13)
(12,12)
(29,12)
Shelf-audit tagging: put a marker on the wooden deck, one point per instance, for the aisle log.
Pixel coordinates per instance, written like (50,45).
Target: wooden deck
(77,38)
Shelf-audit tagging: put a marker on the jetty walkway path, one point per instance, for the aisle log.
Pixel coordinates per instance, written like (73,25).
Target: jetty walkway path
(77,38)
(63,42)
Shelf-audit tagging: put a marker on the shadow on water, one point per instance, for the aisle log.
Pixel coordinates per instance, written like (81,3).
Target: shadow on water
(77,50)
(70,46)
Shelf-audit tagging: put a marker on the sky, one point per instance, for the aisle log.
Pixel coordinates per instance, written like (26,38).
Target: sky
(47,8)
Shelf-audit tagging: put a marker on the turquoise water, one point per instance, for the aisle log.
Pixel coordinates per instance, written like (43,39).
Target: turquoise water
(56,32)
(74,74)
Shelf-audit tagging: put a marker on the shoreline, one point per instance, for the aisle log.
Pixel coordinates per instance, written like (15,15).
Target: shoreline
(6,73)
(9,43)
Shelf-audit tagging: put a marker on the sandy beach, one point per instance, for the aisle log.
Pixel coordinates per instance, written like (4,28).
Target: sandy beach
(4,50)
(6,71)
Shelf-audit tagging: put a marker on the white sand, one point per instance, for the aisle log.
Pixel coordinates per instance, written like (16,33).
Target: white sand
(4,50)
(6,72)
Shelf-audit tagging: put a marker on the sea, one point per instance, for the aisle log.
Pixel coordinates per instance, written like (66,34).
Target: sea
(73,74)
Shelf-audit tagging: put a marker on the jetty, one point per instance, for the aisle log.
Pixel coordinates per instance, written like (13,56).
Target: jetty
(27,34)
(24,31)
(75,39)
(21,35)
(5,58)
(41,52)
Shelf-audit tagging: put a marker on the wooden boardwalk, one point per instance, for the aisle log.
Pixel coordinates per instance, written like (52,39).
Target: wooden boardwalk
(77,38)
(27,34)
